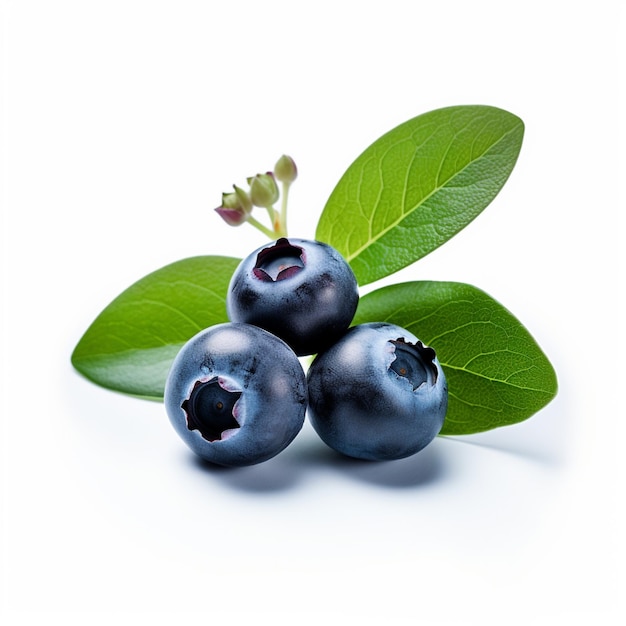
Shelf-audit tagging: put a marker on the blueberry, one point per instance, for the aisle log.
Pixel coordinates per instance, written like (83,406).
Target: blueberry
(300,290)
(236,394)
(377,394)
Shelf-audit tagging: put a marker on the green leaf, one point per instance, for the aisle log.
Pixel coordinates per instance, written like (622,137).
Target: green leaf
(418,185)
(130,346)
(497,374)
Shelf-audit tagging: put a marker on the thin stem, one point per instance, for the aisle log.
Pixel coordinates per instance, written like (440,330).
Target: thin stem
(264,229)
(283,209)
(271,211)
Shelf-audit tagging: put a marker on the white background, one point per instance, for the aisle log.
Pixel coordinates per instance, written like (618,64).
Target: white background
(123,121)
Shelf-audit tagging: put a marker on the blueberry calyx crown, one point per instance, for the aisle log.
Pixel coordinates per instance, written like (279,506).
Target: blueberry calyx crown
(209,409)
(414,361)
(279,261)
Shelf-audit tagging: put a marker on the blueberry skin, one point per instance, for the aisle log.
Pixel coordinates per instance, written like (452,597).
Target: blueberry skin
(377,394)
(236,394)
(303,291)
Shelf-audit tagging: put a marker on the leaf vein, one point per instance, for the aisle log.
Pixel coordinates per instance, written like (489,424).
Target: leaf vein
(493,379)
(351,256)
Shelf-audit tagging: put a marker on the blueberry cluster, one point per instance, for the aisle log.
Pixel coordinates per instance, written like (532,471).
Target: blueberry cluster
(237,393)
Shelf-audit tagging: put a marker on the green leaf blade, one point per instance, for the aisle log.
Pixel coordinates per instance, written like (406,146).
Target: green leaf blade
(418,185)
(130,346)
(497,374)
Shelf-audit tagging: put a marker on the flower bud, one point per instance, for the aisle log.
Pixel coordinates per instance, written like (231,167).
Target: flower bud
(263,190)
(233,217)
(285,169)
(236,207)
(244,199)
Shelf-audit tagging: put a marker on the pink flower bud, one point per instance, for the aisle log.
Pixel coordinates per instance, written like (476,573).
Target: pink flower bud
(236,207)
(233,217)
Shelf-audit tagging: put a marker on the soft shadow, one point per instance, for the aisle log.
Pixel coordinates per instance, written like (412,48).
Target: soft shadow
(275,475)
(544,439)
(538,453)
(419,470)
(286,470)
